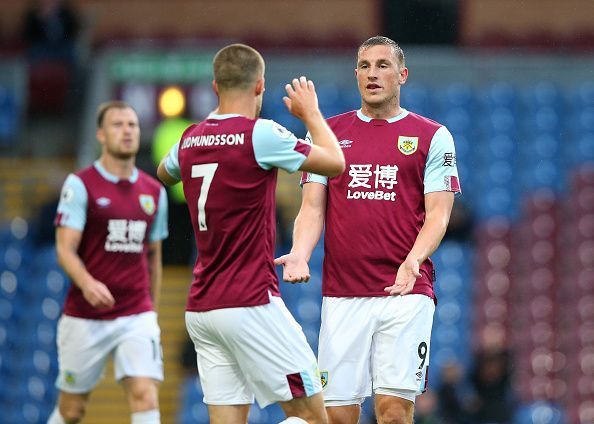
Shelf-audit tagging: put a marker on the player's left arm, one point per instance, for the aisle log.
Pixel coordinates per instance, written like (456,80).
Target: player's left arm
(168,171)
(159,231)
(440,186)
(438,207)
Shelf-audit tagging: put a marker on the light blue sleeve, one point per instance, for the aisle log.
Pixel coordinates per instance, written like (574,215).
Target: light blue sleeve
(309,177)
(172,162)
(441,173)
(72,208)
(160,230)
(275,146)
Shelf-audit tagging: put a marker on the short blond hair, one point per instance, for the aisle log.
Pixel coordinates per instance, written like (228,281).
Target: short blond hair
(112,104)
(237,66)
(380,40)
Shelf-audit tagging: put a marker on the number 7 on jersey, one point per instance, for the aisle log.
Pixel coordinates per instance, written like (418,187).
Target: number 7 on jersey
(207,171)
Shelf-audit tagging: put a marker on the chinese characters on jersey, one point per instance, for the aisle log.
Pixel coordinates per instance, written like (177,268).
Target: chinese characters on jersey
(125,235)
(382,179)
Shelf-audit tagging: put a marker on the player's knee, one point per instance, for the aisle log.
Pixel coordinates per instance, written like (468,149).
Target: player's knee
(73,413)
(396,413)
(144,397)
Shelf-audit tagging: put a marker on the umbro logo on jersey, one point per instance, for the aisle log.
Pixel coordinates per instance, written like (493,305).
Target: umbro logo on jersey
(419,375)
(103,202)
(345,144)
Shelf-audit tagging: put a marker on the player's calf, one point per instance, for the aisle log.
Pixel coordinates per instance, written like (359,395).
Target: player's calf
(309,409)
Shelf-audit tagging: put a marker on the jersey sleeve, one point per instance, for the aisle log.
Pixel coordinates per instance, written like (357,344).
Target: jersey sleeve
(275,146)
(172,162)
(159,230)
(441,173)
(72,208)
(310,177)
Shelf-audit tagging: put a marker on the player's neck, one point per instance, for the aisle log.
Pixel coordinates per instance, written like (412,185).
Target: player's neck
(121,168)
(237,104)
(385,111)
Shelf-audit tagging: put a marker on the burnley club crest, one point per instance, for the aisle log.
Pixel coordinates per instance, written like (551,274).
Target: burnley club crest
(407,145)
(147,203)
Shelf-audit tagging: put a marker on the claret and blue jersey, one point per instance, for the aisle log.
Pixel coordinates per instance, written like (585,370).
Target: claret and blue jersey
(117,218)
(391,165)
(228,164)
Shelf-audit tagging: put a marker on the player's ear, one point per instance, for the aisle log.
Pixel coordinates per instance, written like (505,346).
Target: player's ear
(260,86)
(403,75)
(100,134)
(215,88)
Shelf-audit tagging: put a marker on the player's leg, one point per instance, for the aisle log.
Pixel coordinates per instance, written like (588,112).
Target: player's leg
(225,389)
(83,348)
(393,409)
(344,355)
(273,356)
(228,414)
(345,414)
(143,398)
(139,366)
(70,408)
(401,356)
(310,409)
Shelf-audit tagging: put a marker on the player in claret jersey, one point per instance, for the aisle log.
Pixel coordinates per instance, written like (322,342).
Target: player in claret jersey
(384,216)
(110,223)
(247,343)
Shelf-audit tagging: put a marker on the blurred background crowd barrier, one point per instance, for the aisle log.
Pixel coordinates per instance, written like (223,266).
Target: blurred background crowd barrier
(513,337)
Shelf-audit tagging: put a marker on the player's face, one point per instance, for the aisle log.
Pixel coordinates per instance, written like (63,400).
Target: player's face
(379,75)
(120,133)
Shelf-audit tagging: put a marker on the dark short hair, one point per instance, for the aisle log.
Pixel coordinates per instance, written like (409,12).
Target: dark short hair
(237,66)
(112,104)
(380,40)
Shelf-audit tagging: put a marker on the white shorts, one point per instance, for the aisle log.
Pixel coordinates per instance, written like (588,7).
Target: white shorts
(84,346)
(378,344)
(256,351)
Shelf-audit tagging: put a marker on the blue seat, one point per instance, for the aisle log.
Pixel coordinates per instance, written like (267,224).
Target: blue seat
(350,98)
(416,98)
(457,119)
(9,285)
(501,94)
(584,95)
(13,257)
(458,94)
(539,412)
(9,116)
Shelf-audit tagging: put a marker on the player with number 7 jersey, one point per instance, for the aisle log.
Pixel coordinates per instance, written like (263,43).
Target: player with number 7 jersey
(247,342)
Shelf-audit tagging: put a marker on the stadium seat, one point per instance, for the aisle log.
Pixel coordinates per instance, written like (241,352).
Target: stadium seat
(9,116)
(501,94)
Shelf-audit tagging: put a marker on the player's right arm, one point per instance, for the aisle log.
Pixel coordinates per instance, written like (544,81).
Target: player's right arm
(326,157)
(70,223)
(94,291)
(306,233)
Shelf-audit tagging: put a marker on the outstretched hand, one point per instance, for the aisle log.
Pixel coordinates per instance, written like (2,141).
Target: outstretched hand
(407,275)
(302,99)
(295,268)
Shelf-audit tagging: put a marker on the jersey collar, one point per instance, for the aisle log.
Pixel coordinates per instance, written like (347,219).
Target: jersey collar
(112,178)
(224,116)
(398,117)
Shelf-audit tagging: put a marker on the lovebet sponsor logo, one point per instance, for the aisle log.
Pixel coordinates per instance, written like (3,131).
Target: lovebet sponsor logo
(367,177)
